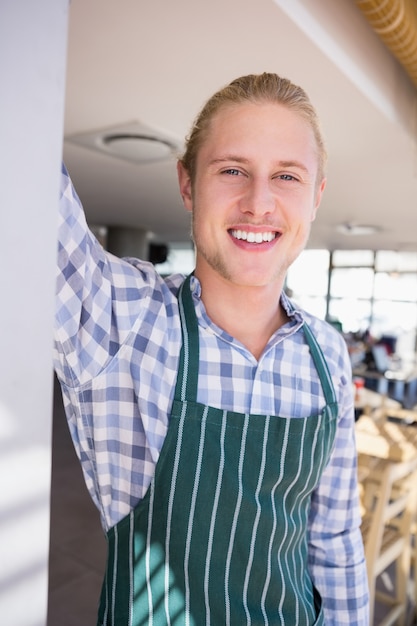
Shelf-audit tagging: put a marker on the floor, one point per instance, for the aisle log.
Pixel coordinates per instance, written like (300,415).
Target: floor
(78,546)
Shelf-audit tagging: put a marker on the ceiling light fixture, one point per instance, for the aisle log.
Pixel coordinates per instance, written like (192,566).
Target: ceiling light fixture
(133,142)
(352,229)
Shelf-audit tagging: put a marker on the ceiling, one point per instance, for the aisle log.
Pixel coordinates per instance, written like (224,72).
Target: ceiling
(153,65)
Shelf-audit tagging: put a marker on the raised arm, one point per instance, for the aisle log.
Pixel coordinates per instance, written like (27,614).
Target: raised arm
(99,297)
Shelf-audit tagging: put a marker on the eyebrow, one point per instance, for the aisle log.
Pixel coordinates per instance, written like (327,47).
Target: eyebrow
(298,164)
(237,159)
(229,157)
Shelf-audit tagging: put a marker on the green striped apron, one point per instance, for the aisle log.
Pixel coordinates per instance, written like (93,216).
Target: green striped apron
(220,537)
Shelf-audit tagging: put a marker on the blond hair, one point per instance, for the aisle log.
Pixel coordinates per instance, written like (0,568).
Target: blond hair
(254,88)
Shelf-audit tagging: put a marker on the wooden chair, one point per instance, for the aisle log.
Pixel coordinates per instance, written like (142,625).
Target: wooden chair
(389,503)
(414,564)
(379,437)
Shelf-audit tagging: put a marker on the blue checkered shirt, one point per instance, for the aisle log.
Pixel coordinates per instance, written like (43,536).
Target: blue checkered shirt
(118,340)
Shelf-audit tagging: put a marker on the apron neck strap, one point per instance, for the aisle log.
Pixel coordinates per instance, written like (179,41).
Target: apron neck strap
(320,362)
(187,379)
(321,365)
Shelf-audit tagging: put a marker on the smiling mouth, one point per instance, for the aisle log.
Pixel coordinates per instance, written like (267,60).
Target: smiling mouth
(252,237)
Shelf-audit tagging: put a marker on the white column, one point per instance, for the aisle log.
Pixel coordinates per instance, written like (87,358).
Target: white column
(33,39)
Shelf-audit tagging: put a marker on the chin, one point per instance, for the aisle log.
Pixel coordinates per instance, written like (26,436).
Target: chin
(256,280)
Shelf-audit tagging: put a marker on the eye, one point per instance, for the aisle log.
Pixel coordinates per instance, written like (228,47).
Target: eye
(286,177)
(232,171)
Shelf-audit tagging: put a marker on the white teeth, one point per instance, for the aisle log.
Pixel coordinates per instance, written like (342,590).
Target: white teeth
(252,237)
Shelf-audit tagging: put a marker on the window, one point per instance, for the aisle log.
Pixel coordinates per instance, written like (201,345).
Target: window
(392,261)
(181,260)
(353,258)
(361,289)
(307,281)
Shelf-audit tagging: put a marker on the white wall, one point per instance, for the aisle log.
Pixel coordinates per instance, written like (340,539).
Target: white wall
(33,38)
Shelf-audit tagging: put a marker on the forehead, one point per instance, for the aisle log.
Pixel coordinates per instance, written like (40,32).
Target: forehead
(272,114)
(259,128)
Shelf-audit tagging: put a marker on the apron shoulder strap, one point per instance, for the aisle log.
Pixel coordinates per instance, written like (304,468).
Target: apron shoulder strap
(321,365)
(187,379)
(320,362)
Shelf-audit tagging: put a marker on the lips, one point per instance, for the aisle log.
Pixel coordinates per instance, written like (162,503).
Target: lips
(252,237)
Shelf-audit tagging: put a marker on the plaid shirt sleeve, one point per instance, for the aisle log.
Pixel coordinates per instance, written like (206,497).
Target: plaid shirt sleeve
(109,313)
(99,297)
(336,554)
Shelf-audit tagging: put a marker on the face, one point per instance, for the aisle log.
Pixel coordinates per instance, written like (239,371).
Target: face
(254,196)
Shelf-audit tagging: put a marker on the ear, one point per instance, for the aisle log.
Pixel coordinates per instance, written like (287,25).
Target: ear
(184,182)
(317,199)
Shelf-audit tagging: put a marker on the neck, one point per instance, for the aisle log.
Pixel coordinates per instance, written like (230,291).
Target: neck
(250,314)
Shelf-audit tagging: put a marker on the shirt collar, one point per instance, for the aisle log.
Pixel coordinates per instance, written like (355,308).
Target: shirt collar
(294,312)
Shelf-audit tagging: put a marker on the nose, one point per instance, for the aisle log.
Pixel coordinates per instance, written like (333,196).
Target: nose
(258,199)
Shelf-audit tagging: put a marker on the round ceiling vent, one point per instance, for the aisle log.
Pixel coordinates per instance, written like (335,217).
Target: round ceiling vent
(139,148)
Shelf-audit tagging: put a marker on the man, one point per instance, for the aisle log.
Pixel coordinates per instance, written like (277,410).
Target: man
(213,418)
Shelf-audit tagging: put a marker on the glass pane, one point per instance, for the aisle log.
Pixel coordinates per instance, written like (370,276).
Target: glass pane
(407,261)
(353,314)
(315,306)
(392,261)
(396,286)
(309,273)
(180,260)
(406,347)
(349,258)
(393,318)
(353,282)
(386,260)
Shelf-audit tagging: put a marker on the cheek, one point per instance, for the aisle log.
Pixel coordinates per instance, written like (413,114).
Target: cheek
(199,220)
(207,209)
(301,217)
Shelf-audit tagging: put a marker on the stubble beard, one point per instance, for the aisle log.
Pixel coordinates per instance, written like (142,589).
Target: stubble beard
(212,258)
(219,264)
